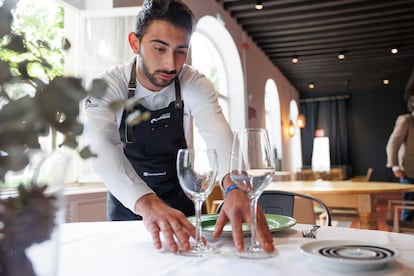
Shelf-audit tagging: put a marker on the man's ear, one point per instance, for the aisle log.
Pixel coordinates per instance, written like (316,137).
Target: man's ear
(133,42)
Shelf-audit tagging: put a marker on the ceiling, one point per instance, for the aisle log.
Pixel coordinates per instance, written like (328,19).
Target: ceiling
(316,31)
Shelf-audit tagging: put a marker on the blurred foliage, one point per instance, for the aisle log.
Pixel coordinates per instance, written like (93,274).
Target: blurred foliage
(35,97)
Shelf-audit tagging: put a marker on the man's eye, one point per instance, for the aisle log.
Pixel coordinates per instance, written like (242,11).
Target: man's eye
(181,52)
(159,49)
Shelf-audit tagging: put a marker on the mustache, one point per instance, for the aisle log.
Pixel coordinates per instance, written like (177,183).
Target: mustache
(172,72)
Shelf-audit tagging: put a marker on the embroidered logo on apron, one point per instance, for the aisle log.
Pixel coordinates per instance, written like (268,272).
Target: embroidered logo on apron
(162,117)
(154,173)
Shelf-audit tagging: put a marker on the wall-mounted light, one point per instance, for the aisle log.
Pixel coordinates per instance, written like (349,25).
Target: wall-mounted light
(341,55)
(301,121)
(394,50)
(311,85)
(295,59)
(291,128)
(386,81)
(259,5)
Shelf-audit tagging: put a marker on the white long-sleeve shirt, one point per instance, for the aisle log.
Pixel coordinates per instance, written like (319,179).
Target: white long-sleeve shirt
(102,134)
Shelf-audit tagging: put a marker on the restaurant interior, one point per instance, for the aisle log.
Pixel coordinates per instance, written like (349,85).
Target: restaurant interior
(326,79)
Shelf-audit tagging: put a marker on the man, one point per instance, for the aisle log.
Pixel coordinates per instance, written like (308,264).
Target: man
(138,163)
(400,153)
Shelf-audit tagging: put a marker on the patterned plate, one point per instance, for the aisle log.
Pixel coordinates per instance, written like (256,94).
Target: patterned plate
(352,255)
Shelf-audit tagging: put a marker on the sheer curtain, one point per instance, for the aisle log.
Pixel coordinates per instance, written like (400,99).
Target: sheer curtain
(103,43)
(329,114)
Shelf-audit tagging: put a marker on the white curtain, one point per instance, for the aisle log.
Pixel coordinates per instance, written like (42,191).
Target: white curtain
(105,41)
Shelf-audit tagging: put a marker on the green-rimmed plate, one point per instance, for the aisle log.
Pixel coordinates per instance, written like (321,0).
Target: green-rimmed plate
(275,222)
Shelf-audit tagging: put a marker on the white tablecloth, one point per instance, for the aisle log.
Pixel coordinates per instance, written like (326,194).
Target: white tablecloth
(125,248)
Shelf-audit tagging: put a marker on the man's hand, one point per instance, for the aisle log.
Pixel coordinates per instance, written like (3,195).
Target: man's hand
(158,217)
(399,174)
(236,209)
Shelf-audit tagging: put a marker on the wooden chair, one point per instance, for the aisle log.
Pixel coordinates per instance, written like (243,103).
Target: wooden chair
(352,211)
(366,177)
(213,200)
(393,216)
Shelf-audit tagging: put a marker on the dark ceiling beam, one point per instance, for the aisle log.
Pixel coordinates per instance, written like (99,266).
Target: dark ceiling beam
(336,30)
(382,47)
(370,31)
(334,23)
(327,17)
(315,9)
(245,9)
(397,35)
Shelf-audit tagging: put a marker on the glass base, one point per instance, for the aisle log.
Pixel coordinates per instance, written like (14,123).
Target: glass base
(200,251)
(255,253)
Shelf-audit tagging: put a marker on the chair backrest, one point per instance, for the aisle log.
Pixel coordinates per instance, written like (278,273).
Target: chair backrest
(366,177)
(369,173)
(393,216)
(283,203)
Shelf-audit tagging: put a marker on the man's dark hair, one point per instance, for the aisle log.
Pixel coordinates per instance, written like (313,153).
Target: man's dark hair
(173,11)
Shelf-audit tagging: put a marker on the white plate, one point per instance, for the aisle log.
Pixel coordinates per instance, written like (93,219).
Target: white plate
(349,255)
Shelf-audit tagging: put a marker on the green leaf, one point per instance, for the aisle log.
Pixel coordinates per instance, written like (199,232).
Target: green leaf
(86,153)
(116,105)
(137,117)
(66,44)
(98,88)
(22,67)
(17,44)
(131,103)
(43,44)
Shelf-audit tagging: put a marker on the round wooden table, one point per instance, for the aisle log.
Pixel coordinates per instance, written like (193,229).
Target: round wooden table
(349,194)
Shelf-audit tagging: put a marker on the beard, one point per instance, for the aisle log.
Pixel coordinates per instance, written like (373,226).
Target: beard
(151,77)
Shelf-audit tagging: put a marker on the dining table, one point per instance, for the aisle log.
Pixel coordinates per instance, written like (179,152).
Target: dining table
(361,195)
(125,248)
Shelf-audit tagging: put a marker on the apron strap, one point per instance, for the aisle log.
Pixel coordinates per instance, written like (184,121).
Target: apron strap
(131,92)
(178,100)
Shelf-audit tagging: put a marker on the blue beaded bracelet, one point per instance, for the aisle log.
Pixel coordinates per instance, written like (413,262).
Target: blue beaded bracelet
(230,188)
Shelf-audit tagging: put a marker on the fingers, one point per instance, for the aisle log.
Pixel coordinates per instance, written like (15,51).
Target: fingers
(237,232)
(155,235)
(181,232)
(264,236)
(237,212)
(176,231)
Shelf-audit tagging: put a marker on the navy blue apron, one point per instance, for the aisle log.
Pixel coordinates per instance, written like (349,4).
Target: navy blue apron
(151,146)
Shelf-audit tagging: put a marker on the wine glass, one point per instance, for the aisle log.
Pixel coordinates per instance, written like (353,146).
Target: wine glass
(252,168)
(197,172)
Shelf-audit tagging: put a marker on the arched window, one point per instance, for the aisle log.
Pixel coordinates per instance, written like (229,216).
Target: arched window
(296,146)
(273,120)
(210,43)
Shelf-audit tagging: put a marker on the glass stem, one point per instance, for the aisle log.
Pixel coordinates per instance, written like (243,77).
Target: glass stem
(253,212)
(197,206)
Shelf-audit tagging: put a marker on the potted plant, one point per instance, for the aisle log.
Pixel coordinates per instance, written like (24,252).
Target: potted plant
(31,107)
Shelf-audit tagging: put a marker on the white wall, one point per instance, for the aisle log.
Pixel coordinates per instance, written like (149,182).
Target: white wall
(258,69)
